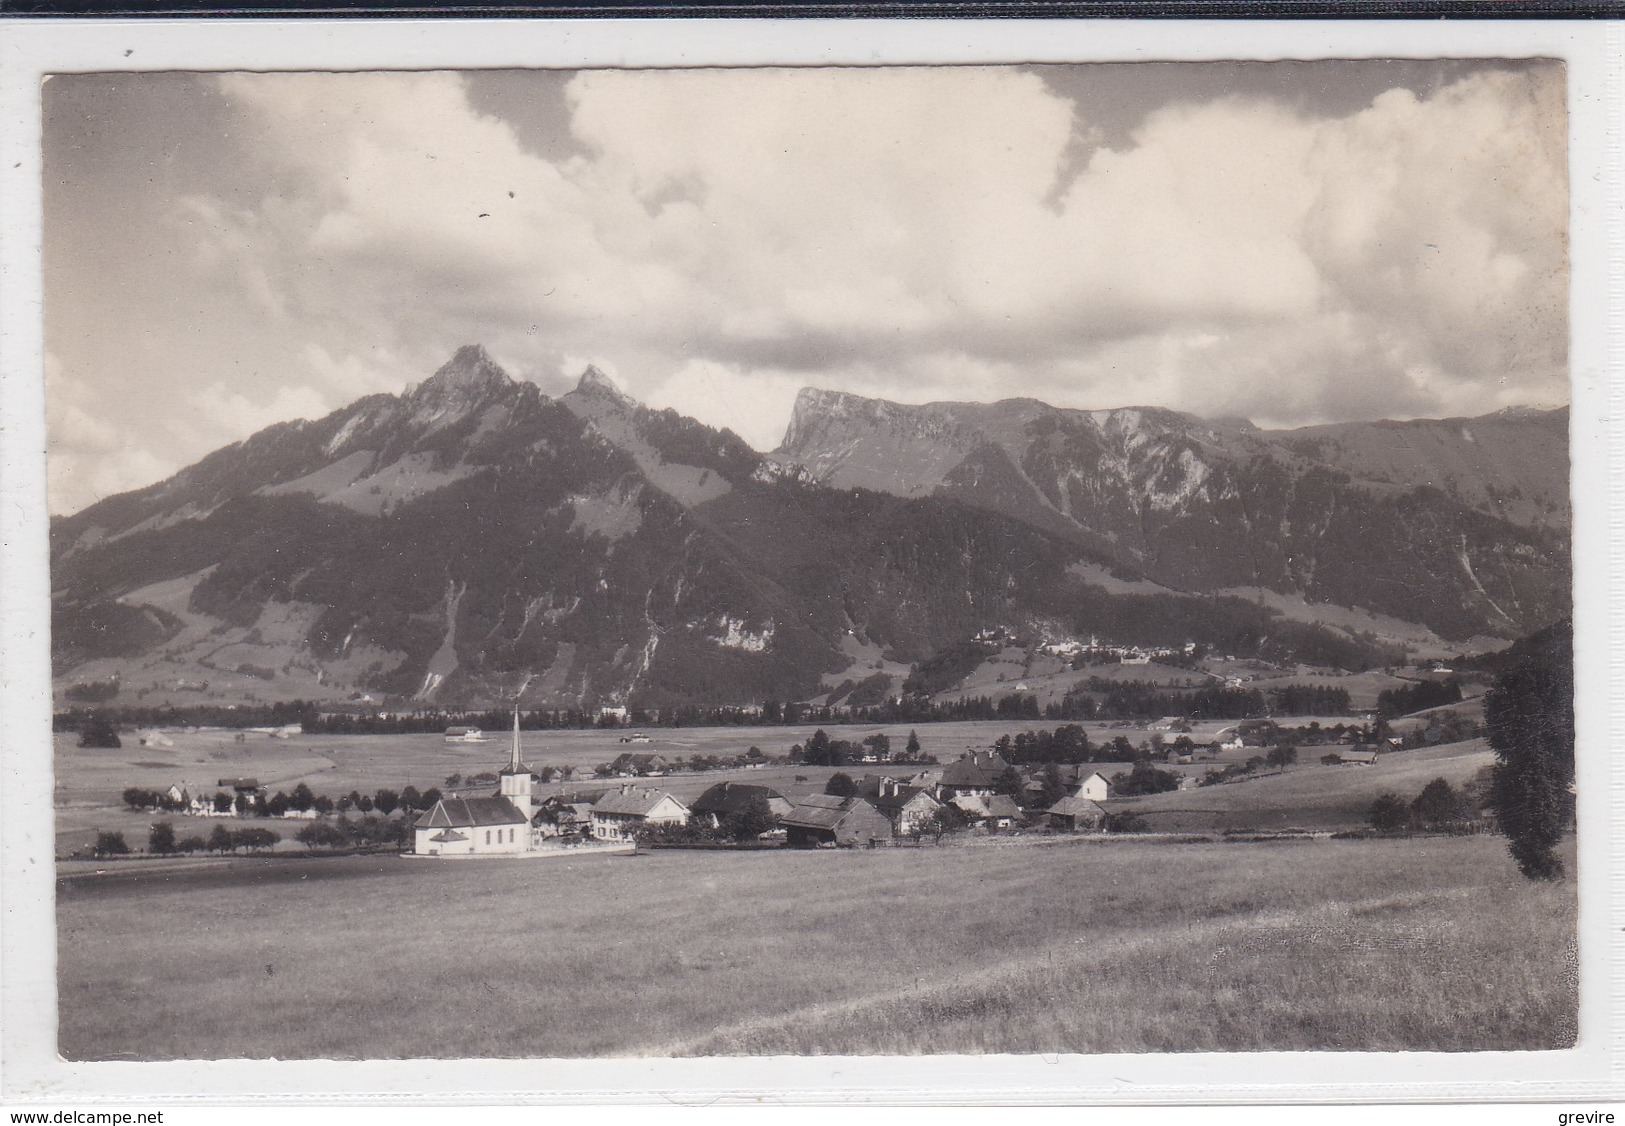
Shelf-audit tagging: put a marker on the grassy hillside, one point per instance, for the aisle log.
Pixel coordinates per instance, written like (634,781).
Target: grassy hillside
(1309,795)
(1002,947)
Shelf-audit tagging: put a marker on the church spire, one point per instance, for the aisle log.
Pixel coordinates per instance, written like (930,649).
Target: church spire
(513,764)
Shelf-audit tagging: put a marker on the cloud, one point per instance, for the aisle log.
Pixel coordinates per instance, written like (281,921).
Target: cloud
(723,237)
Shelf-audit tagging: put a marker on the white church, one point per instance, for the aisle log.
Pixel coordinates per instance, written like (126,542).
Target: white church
(499,826)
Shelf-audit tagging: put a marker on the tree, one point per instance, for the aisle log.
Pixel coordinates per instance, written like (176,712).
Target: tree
(1388,813)
(1438,804)
(913,744)
(841,785)
(429,798)
(1529,712)
(322,834)
(192,844)
(1282,756)
(222,801)
(410,798)
(161,838)
(756,819)
(1010,783)
(879,746)
(278,805)
(364,804)
(242,802)
(255,839)
(221,840)
(1054,789)
(301,798)
(96,731)
(137,798)
(1144,779)
(111,844)
(322,805)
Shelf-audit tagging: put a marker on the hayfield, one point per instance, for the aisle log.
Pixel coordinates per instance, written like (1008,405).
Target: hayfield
(1012,946)
(1309,795)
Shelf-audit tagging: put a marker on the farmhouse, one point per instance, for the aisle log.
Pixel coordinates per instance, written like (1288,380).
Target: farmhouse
(976,772)
(906,807)
(464,735)
(727,799)
(997,812)
(629,764)
(619,813)
(1077,814)
(1351,756)
(1093,788)
(825,819)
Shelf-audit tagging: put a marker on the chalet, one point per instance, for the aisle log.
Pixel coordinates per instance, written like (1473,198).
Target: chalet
(976,772)
(631,764)
(1093,788)
(726,799)
(827,820)
(464,735)
(471,827)
(999,811)
(556,817)
(249,786)
(1076,814)
(619,813)
(906,807)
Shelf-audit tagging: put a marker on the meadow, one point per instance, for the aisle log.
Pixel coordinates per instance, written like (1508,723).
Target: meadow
(1018,945)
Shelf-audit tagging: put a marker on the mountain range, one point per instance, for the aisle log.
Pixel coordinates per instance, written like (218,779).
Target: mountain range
(472,535)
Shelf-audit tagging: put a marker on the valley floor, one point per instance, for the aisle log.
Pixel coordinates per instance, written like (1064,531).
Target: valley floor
(1020,945)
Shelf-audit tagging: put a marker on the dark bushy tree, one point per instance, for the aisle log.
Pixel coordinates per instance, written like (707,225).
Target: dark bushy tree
(111,844)
(161,838)
(1529,713)
(96,731)
(1438,804)
(752,822)
(1389,813)
(841,785)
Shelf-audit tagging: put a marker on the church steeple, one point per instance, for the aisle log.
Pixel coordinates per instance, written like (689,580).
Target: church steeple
(513,763)
(516,776)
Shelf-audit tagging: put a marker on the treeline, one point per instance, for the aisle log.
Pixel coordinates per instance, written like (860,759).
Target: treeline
(1410,698)
(1097,698)
(301,800)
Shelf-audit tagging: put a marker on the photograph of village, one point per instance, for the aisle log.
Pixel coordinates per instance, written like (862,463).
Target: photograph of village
(823,561)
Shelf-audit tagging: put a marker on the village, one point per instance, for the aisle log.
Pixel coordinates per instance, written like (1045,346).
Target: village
(873,791)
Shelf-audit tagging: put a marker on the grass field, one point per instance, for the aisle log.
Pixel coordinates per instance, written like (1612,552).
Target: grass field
(1005,946)
(1309,795)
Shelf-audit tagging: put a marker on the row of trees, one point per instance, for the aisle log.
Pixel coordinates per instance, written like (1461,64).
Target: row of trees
(163,841)
(300,800)
(1438,806)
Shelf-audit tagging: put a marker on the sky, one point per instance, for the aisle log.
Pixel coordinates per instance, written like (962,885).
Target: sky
(1292,243)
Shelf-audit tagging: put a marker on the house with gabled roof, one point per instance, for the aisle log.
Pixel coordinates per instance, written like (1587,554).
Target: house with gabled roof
(1077,814)
(620,813)
(998,811)
(907,807)
(827,820)
(631,764)
(975,772)
(728,799)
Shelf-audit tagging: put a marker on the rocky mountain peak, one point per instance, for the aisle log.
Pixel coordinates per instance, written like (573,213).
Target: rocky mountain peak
(470,373)
(596,384)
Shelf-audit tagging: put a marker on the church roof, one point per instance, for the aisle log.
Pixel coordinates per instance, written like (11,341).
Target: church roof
(451,813)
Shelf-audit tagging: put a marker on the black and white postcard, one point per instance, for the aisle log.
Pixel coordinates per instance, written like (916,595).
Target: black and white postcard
(565,552)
